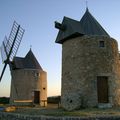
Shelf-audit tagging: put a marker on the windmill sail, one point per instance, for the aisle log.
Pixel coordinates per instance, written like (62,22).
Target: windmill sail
(3,50)
(10,46)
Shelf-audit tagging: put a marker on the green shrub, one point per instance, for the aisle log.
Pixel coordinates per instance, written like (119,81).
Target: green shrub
(4,100)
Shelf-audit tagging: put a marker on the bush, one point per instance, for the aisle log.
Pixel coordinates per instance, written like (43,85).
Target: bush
(4,100)
(54,99)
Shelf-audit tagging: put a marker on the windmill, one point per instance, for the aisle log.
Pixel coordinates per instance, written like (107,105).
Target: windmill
(10,45)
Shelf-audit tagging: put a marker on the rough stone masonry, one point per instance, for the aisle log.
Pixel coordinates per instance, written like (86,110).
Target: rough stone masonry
(90,64)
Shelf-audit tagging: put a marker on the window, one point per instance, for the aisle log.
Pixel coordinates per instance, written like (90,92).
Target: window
(101,44)
(37,75)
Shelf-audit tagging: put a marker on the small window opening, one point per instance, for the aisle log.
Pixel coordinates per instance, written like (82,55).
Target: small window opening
(43,88)
(36,74)
(101,44)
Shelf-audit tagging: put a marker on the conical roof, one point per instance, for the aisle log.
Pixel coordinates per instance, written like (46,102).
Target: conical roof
(88,25)
(28,62)
(31,61)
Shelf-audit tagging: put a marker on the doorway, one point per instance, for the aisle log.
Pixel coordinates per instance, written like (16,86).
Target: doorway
(36,97)
(102,89)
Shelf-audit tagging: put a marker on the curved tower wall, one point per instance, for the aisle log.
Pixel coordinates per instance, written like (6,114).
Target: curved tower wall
(27,85)
(84,60)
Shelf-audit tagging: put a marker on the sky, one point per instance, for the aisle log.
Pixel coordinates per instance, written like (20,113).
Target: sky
(37,17)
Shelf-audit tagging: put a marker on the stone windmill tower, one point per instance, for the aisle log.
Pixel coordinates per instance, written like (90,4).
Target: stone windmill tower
(90,64)
(29,81)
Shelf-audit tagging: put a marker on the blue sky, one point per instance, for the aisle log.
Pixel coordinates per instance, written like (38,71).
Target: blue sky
(37,18)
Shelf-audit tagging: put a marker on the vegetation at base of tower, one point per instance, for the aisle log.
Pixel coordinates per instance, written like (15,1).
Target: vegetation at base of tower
(4,100)
(54,99)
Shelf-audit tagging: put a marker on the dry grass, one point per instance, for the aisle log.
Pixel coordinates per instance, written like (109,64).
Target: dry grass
(53,110)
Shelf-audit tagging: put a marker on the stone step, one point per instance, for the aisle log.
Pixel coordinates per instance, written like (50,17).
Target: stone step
(104,105)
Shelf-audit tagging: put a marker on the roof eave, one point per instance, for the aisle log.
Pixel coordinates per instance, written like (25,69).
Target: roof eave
(77,34)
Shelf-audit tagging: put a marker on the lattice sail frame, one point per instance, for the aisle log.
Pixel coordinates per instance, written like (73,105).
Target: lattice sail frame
(13,42)
(10,46)
(2,49)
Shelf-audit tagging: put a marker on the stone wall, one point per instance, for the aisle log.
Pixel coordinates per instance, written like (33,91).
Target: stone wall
(82,61)
(23,84)
(11,116)
(43,88)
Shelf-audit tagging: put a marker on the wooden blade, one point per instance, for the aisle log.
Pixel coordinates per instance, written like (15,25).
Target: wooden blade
(3,71)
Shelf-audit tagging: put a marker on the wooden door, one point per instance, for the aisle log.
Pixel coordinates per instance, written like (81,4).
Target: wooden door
(36,97)
(102,89)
